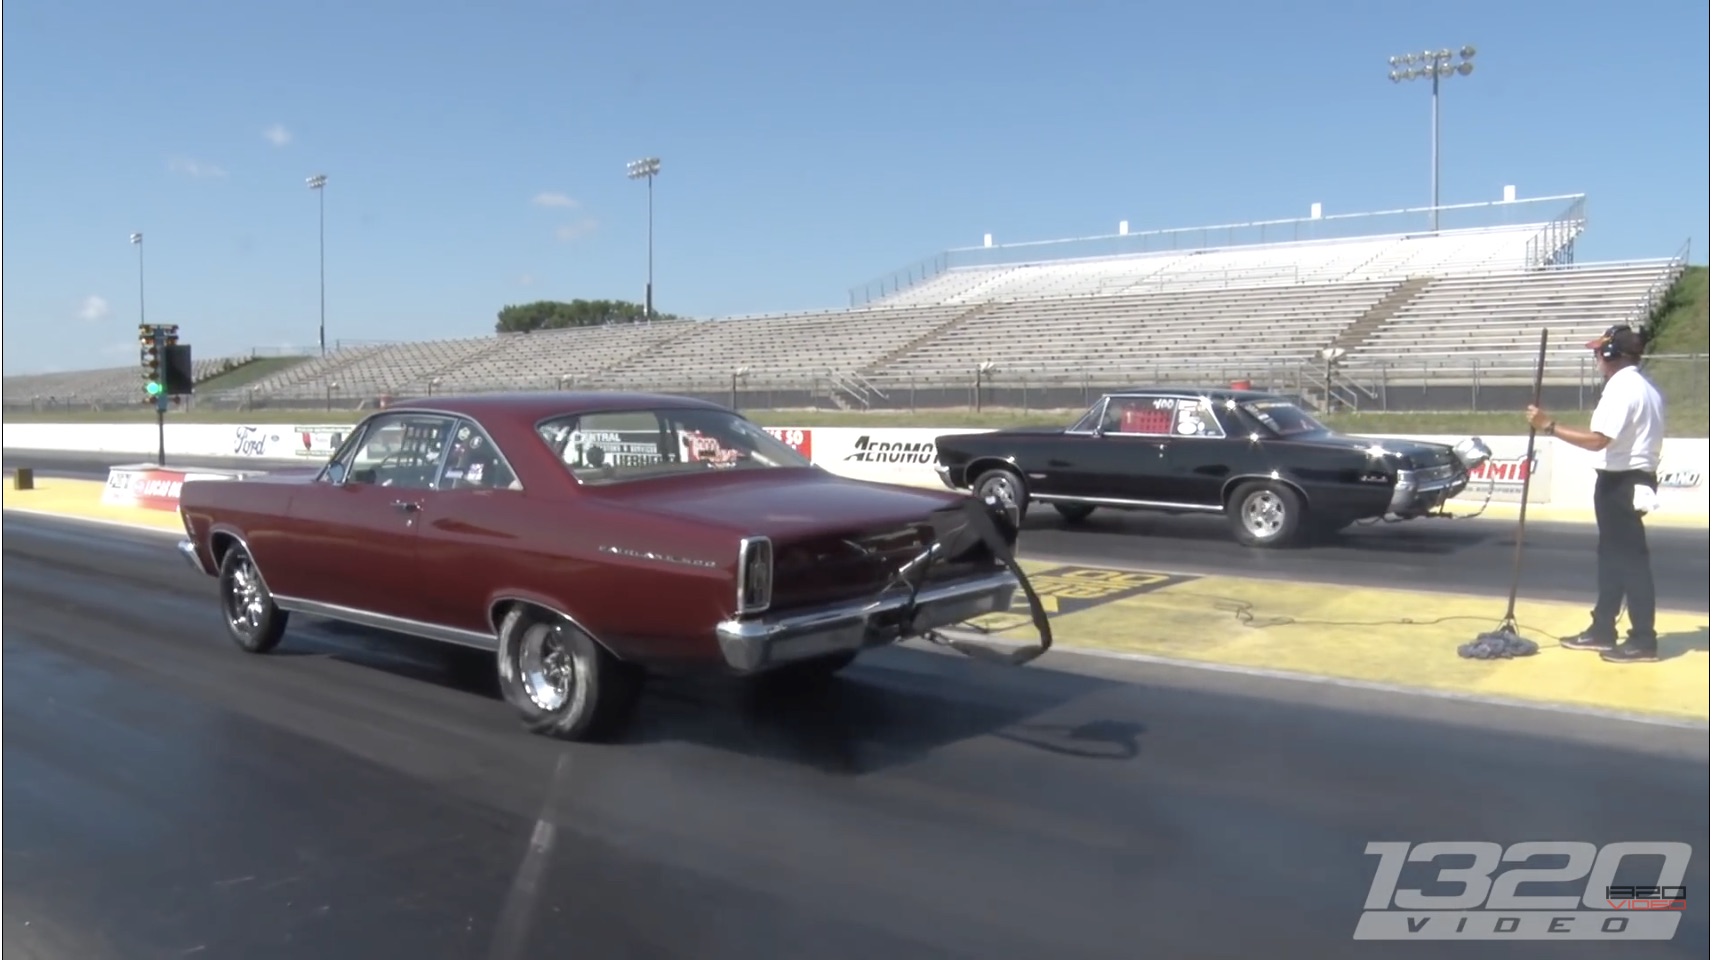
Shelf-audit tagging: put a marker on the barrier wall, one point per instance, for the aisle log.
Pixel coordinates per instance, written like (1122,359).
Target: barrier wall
(1562,474)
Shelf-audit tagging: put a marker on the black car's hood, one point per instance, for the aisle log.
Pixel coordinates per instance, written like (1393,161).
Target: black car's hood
(1410,454)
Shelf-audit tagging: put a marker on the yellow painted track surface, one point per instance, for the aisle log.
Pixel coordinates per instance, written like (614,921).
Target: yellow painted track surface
(82,498)
(1397,637)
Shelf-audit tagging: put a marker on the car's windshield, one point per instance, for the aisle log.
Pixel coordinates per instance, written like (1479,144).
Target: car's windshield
(616,446)
(1284,418)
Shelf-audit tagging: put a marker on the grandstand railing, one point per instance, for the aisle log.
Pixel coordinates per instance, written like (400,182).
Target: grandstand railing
(1454,382)
(1566,215)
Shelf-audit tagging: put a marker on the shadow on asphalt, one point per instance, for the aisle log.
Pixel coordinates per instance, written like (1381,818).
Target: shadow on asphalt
(891,707)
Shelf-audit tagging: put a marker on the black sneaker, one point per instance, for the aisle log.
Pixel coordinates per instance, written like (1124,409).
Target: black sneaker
(1630,652)
(1589,640)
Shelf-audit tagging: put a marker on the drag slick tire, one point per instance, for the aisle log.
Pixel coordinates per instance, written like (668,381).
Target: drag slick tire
(253,622)
(1006,486)
(560,680)
(1265,513)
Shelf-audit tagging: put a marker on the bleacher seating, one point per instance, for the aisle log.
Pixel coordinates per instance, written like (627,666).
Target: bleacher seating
(1172,331)
(1312,262)
(1497,318)
(109,385)
(1402,306)
(794,347)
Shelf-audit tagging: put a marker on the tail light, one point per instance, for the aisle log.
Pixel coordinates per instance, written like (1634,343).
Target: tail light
(754,575)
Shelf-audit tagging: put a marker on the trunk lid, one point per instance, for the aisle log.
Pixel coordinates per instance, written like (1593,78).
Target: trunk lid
(834,539)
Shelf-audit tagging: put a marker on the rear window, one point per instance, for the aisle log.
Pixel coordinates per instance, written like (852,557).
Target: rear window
(1285,418)
(619,446)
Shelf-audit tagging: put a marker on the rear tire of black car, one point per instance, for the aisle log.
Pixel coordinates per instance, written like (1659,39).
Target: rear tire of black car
(1073,512)
(560,680)
(253,621)
(1006,486)
(1265,513)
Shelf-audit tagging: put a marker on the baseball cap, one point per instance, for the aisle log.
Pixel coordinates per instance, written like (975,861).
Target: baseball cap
(1623,339)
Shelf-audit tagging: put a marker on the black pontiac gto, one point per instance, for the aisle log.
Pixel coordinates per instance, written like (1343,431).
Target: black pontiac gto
(1258,458)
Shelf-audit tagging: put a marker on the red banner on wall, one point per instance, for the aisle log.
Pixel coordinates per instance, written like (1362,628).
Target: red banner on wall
(797,438)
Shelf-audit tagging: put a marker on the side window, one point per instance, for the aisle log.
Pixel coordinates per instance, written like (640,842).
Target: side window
(617,439)
(399,451)
(475,462)
(1140,416)
(1195,418)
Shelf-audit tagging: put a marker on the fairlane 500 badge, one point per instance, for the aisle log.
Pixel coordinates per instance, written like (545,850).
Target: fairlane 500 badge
(651,555)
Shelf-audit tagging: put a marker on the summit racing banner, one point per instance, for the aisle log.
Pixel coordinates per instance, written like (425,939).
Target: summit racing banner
(1501,477)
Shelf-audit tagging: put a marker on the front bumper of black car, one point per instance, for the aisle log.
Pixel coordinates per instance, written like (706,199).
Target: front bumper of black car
(1419,492)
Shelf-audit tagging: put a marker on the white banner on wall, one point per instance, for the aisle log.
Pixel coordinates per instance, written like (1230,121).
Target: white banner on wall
(1563,475)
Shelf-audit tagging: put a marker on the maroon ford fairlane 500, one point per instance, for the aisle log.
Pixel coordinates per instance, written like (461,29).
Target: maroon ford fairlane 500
(589,538)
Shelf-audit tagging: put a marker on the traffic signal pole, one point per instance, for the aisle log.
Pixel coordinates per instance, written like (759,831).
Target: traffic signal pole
(160,402)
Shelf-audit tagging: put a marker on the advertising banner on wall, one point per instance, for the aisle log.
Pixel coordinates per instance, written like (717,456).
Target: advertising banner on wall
(147,486)
(885,454)
(800,439)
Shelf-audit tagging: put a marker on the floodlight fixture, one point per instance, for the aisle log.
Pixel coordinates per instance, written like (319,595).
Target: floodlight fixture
(317,183)
(1438,65)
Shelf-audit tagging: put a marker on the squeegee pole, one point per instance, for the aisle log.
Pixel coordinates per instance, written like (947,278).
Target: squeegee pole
(1527,479)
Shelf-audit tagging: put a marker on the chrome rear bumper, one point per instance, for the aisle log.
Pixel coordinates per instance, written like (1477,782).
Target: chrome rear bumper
(769,640)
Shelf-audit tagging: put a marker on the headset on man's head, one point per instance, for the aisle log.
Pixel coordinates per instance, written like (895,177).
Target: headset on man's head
(1611,345)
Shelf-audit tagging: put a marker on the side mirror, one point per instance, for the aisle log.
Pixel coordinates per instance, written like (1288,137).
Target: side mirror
(336,473)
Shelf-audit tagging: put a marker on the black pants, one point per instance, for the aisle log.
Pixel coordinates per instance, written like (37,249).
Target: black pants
(1625,565)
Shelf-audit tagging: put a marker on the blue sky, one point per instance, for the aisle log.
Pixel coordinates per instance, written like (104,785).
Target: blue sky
(806,147)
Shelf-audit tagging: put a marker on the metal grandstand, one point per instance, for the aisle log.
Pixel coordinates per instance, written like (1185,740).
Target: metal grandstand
(1350,310)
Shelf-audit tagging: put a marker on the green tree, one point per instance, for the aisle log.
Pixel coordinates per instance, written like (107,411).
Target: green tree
(558,315)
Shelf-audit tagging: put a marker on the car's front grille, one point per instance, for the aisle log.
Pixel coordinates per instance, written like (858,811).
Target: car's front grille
(1433,476)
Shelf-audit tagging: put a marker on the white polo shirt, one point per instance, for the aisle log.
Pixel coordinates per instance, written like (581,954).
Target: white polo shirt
(1631,413)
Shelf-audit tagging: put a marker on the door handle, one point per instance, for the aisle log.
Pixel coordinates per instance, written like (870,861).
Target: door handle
(406,506)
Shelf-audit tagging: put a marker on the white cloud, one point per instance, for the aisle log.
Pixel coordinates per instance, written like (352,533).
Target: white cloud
(554,200)
(195,168)
(576,231)
(527,280)
(94,308)
(277,135)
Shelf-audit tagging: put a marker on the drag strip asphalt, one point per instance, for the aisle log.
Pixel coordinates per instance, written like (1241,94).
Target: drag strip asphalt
(1461,556)
(356,795)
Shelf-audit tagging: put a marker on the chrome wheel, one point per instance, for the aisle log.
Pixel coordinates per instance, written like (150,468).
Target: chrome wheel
(246,601)
(545,662)
(1264,514)
(1001,486)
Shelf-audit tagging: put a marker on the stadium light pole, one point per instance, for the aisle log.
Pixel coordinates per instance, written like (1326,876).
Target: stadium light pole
(1438,65)
(318,183)
(647,169)
(142,314)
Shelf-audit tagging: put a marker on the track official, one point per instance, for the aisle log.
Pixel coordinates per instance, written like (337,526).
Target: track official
(1627,432)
